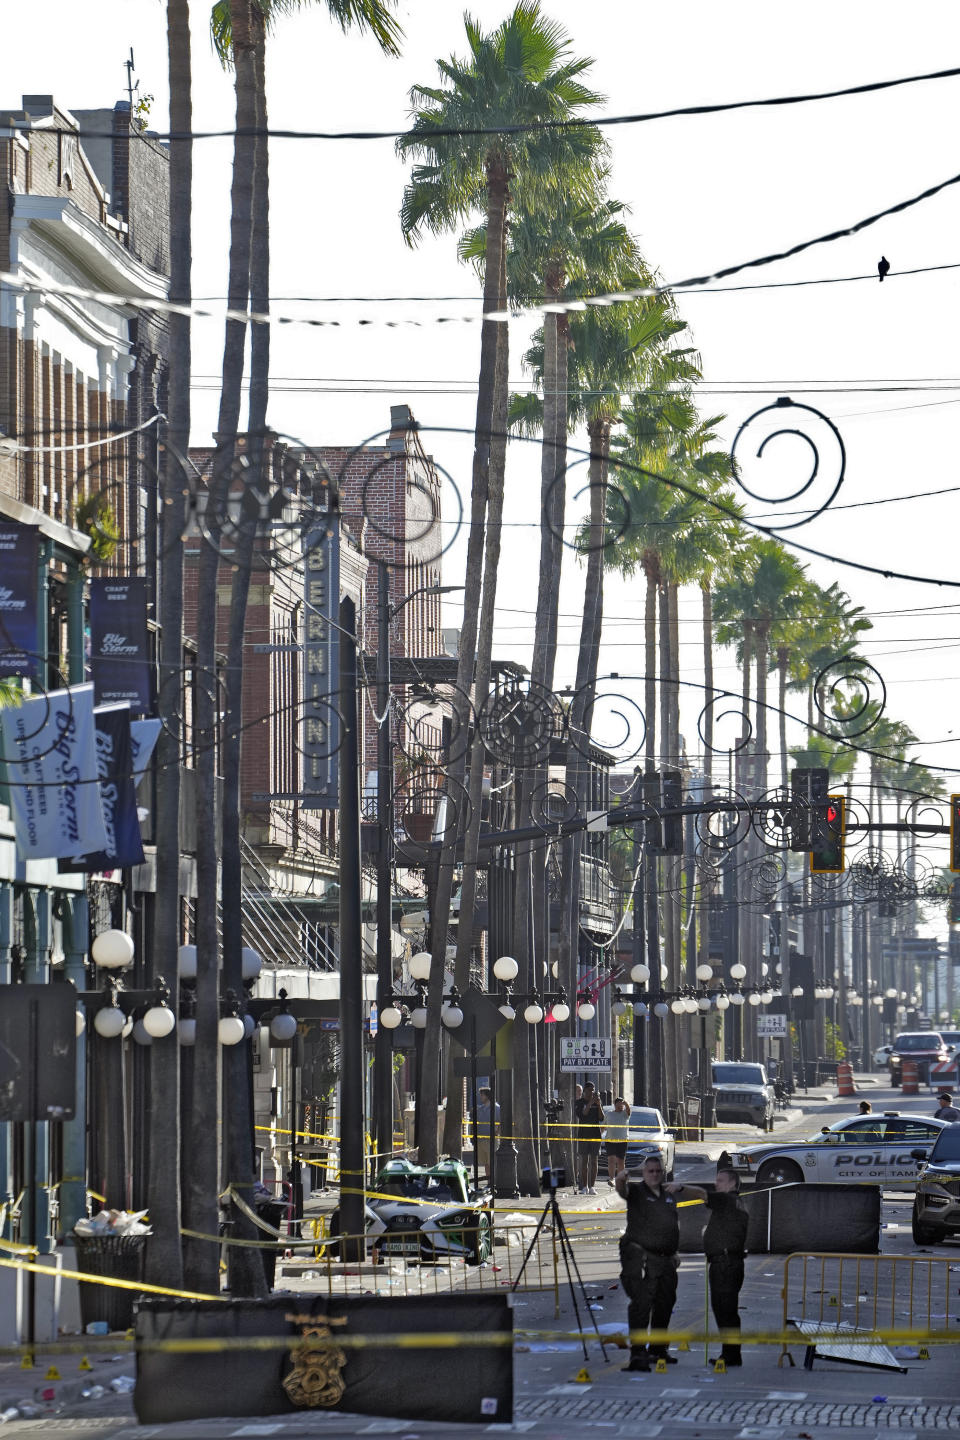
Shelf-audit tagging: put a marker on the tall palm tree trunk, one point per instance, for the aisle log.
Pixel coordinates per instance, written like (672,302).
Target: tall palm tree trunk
(245,1264)
(164,1258)
(428,1097)
(453,1127)
(667,761)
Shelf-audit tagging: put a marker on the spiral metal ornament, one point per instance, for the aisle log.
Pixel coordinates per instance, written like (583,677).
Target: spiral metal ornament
(421,525)
(624,724)
(416,731)
(553,803)
(867,874)
(724,822)
(27,743)
(709,874)
(847,681)
(784,418)
(914,868)
(723,715)
(771,818)
(856,823)
(428,811)
(617,516)
(521,723)
(762,878)
(934,891)
(260,493)
(925,815)
(896,891)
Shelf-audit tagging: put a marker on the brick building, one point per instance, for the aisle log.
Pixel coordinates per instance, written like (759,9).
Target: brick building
(88,211)
(390,498)
(80,220)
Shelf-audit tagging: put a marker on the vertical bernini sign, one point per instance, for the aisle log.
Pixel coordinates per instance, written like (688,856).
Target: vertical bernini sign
(320,712)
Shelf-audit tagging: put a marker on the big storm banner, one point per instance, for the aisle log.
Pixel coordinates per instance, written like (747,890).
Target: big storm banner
(117,795)
(18,599)
(119,658)
(50,755)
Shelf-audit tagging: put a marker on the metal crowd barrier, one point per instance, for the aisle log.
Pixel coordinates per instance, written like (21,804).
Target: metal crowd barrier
(872,1292)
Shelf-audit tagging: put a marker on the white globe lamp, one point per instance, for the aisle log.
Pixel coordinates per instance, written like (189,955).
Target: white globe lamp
(506,969)
(159,1020)
(112,950)
(187,962)
(250,963)
(420,965)
(109,1021)
(230,1030)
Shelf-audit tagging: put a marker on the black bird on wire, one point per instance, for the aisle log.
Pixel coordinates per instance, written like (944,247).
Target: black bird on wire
(883,267)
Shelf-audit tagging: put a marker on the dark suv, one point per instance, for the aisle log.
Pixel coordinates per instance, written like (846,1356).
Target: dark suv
(743,1093)
(926,1047)
(936,1205)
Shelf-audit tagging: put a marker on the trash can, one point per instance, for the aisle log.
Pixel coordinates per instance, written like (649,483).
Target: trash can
(121,1257)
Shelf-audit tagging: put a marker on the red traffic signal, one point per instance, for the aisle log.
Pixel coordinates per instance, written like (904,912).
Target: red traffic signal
(826,850)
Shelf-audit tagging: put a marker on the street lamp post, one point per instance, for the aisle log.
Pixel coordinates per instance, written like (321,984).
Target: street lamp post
(383,1071)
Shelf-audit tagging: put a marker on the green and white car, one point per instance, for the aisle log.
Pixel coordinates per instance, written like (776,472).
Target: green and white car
(877,1149)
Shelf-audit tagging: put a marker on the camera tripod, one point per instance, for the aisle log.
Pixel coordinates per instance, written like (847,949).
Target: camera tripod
(552,1210)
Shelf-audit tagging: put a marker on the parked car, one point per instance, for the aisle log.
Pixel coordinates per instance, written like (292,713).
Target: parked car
(876,1148)
(881,1057)
(926,1047)
(427,1213)
(936,1205)
(950,1038)
(743,1093)
(647,1134)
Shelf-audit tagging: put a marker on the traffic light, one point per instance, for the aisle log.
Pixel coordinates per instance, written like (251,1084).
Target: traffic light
(664,833)
(955,833)
(826,836)
(672,824)
(808,788)
(953,904)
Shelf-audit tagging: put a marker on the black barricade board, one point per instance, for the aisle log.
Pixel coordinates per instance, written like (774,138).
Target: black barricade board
(469,1383)
(803,1217)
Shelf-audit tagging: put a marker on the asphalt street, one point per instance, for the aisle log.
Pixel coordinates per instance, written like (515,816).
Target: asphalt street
(556,1389)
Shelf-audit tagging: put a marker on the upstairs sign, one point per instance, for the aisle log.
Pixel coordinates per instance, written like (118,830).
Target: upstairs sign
(320,717)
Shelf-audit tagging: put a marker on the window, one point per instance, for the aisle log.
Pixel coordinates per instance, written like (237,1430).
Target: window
(911,1130)
(867,1130)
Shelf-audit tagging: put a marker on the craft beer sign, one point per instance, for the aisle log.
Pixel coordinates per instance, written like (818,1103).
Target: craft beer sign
(320,716)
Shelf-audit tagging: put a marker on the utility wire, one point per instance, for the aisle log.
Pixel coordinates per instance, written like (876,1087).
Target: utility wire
(603,121)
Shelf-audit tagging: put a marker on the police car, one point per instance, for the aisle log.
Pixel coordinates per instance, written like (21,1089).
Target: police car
(872,1148)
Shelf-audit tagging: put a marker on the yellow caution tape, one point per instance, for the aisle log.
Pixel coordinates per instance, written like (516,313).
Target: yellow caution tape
(140,1286)
(217,1344)
(17,1249)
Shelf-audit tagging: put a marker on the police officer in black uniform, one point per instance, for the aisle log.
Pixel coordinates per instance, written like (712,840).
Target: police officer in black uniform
(724,1244)
(648,1255)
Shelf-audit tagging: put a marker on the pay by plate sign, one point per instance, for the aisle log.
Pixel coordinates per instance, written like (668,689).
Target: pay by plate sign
(585,1052)
(771,1024)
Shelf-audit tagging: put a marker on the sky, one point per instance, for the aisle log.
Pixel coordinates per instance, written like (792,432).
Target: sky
(703,193)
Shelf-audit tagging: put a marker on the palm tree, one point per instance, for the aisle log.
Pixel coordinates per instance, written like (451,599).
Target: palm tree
(164,1264)
(834,626)
(239,30)
(516,76)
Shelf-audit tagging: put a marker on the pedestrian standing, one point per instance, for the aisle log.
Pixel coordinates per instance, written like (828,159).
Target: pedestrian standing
(589,1116)
(724,1244)
(488,1128)
(648,1256)
(865,1107)
(946,1110)
(615,1134)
